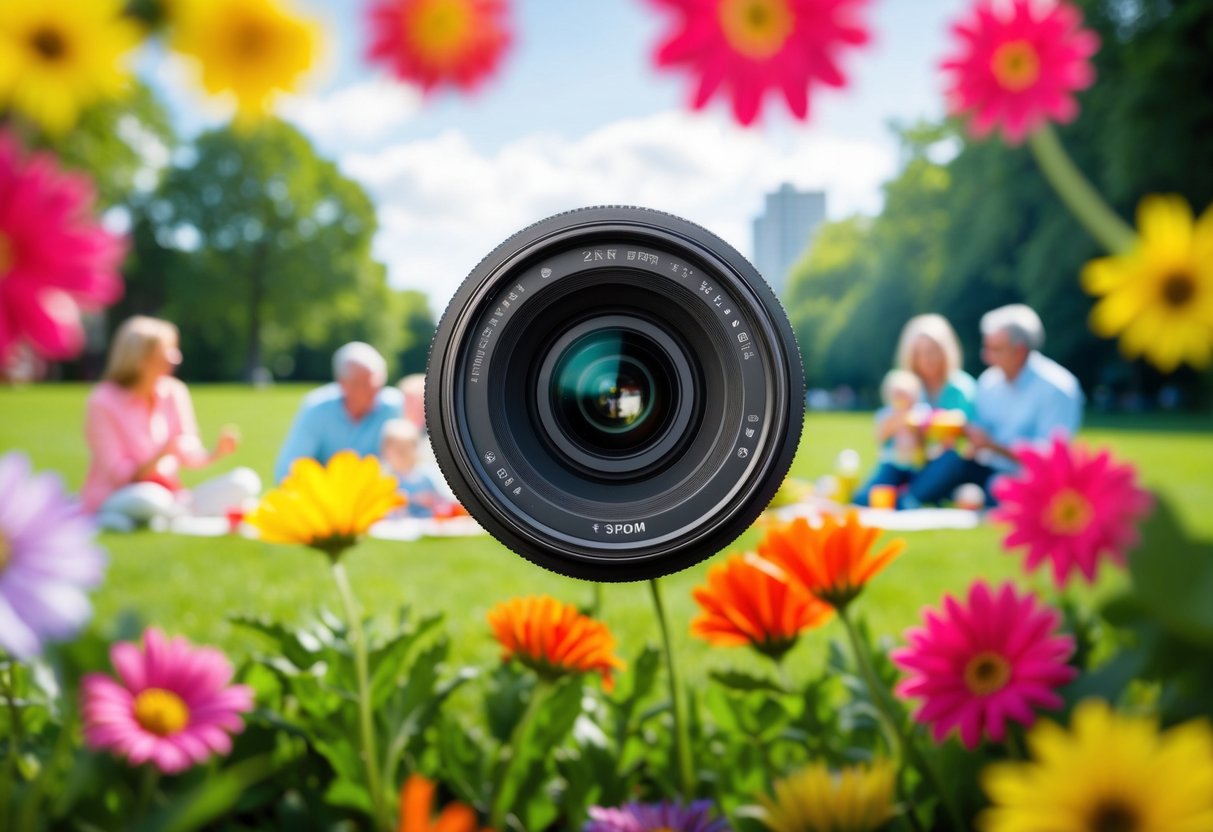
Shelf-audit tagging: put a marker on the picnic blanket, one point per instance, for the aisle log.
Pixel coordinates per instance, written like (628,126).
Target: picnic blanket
(404,528)
(909,520)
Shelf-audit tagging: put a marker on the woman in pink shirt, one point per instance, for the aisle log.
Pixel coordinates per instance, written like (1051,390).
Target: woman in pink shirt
(141,432)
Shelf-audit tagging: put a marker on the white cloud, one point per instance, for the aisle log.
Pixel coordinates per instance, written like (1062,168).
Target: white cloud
(443,205)
(356,115)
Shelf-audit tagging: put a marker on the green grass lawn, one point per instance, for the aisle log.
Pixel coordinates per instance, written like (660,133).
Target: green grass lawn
(190,585)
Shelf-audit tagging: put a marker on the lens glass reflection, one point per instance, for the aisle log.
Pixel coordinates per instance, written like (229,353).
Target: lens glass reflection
(612,390)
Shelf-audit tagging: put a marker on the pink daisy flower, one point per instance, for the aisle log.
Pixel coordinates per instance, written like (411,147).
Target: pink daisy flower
(173,705)
(1018,64)
(54,259)
(1072,508)
(750,47)
(436,42)
(977,666)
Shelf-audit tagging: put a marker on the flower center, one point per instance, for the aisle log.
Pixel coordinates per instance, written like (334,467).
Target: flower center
(1114,816)
(756,28)
(1016,65)
(441,27)
(7,255)
(987,673)
(1068,512)
(1178,289)
(250,40)
(49,43)
(161,712)
(6,553)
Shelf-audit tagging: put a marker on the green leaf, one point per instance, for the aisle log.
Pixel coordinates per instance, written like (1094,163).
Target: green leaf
(740,680)
(212,800)
(1173,576)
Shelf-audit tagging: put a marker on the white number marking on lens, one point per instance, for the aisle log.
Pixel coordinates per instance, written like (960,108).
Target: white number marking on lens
(621,528)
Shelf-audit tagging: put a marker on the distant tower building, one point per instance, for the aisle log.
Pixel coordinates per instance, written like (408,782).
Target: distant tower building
(784,231)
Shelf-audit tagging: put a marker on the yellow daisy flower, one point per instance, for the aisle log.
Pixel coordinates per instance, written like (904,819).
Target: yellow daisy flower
(1158,296)
(252,49)
(857,799)
(1109,773)
(58,58)
(327,507)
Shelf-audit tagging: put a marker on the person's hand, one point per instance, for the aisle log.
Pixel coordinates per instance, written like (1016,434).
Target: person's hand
(229,441)
(978,437)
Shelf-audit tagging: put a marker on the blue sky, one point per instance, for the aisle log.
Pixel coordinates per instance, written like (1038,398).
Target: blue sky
(577,116)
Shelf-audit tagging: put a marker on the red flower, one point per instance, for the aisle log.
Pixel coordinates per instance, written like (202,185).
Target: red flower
(435,42)
(1071,507)
(54,258)
(1018,64)
(752,46)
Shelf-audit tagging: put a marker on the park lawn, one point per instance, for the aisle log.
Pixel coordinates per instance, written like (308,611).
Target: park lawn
(191,585)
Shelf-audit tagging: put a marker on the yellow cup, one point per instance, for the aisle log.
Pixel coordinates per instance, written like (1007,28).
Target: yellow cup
(882,496)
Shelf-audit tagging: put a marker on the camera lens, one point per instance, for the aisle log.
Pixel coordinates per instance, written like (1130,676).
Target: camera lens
(614,393)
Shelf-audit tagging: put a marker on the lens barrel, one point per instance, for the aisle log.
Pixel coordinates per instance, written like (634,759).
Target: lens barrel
(614,393)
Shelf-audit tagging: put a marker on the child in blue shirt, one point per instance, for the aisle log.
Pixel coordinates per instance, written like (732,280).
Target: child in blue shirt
(398,453)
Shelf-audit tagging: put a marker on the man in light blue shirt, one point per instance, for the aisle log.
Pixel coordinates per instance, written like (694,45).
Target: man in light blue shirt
(1023,397)
(348,414)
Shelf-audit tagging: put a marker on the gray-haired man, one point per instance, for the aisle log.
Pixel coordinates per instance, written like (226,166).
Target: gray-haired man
(348,414)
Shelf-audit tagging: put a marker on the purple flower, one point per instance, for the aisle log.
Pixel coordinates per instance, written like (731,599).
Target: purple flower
(47,559)
(651,817)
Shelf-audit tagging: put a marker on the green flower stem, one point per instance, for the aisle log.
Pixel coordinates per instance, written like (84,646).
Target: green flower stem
(682,740)
(147,789)
(518,742)
(880,697)
(1077,193)
(365,719)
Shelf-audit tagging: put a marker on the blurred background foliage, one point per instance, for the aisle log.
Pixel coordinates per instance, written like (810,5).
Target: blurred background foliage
(969,225)
(256,245)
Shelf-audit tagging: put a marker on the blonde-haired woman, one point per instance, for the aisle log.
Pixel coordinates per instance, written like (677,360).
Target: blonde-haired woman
(141,432)
(930,350)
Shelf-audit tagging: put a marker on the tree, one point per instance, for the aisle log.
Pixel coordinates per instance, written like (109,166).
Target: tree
(276,251)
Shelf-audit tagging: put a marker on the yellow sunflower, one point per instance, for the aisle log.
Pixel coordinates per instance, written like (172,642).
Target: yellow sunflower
(857,799)
(1158,296)
(58,58)
(327,507)
(252,49)
(1109,773)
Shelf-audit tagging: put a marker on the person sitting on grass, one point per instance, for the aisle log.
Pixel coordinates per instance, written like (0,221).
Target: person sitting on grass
(399,451)
(1022,397)
(141,432)
(348,414)
(898,432)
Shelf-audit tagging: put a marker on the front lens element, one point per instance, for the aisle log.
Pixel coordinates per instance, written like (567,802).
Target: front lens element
(612,390)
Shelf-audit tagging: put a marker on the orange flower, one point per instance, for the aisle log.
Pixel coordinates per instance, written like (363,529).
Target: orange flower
(417,805)
(748,601)
(832,562)
(553,638)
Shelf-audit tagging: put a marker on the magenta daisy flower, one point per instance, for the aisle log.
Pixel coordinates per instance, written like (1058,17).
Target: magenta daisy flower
(751,47)
(1072,508)
(1018,64)
(173,705)
(47,559)
(977,666)
(666,816)
(55,260)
